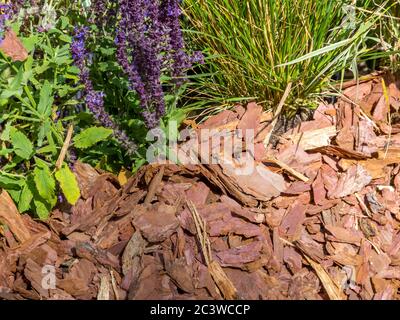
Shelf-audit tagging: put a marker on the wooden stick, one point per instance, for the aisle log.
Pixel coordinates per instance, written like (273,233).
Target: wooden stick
(285,167)
(223,283)
(362,79)
(277,113)
(65,146)
(362,205)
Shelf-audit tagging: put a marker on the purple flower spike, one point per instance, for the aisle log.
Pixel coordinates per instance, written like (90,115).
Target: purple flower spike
(5,15)
(149,44)
(95,99)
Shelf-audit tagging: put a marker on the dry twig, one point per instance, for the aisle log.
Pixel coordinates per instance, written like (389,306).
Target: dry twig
(220,278)
(65,146)
(277,113)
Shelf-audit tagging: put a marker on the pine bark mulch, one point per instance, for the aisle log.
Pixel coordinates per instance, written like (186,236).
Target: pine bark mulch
(319,218)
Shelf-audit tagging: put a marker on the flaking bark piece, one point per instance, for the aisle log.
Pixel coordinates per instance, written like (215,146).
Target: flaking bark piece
(13,47)
(157,224)
(10,216)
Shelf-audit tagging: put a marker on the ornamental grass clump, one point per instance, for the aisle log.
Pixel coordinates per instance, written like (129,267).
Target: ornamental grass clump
(256,47)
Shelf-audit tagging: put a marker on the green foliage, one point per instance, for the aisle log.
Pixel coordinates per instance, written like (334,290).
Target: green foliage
(33,93)
(41,97)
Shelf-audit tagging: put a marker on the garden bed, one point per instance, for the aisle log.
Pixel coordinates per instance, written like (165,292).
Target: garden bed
(321,224)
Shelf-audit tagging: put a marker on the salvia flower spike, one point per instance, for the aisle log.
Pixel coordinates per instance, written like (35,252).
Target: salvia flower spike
(95,99)
(150,44)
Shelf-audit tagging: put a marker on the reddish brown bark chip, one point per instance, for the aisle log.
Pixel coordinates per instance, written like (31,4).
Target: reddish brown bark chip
(10,216)
(239,256)
(354,180)
(237,210)
(251,118)
(319,191)
(291,225)
(158,224)
(198,193)
(221,119)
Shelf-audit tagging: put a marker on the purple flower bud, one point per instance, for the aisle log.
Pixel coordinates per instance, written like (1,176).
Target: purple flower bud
(60,198)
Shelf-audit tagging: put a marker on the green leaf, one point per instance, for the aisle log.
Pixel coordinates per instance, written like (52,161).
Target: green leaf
(73,70)
(46,149)
(29,42)
(25,199)
(107,51)
(28,64)
(42,68)
(64,22)
(65,38)
(8,181)
(15,86)
(4,152)
(22,145)
(46,99)
(15,26)
(43,130)
(91,136)
(42,209)
(318,52)
(5,135)
(15,195)
(71,102)
(45,182)
(3,103)
(68,184)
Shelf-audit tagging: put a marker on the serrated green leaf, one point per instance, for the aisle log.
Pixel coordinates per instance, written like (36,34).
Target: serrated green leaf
(15,195)
(91,136)
(25,199)
(5,135)
(45,182)
(42,209)
(8,181)
(46,99)
(68,184)
(22,145)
